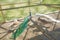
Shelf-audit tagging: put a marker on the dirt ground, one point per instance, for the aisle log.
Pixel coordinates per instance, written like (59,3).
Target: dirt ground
(32,32)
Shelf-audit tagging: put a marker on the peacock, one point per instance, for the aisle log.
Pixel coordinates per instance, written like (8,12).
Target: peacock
(21,27)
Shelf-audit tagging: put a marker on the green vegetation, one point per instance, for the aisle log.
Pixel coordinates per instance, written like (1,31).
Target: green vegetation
(22,12)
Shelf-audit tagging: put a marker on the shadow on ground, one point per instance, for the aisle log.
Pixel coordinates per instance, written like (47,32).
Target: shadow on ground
(55,33)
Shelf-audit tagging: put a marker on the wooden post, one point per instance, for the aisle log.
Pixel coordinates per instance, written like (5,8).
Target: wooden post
(2,14)
(57,19)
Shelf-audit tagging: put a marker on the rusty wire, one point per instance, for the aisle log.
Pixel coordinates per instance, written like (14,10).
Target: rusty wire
(45,32)
(5,34)
(29,26)
(17,3)
(48,5)
(2,14)
(57,19)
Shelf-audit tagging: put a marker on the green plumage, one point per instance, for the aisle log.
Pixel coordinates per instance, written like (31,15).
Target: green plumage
(21,28)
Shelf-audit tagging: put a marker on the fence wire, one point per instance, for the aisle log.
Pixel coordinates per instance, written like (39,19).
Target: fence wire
(57,6)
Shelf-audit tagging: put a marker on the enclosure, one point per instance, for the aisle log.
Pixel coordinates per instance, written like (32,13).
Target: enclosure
(29,19)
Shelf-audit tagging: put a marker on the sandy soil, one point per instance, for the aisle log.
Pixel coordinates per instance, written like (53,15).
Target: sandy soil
(33,32)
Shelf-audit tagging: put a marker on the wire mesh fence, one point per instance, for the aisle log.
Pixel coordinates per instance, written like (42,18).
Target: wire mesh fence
(5,8)
(21,9)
